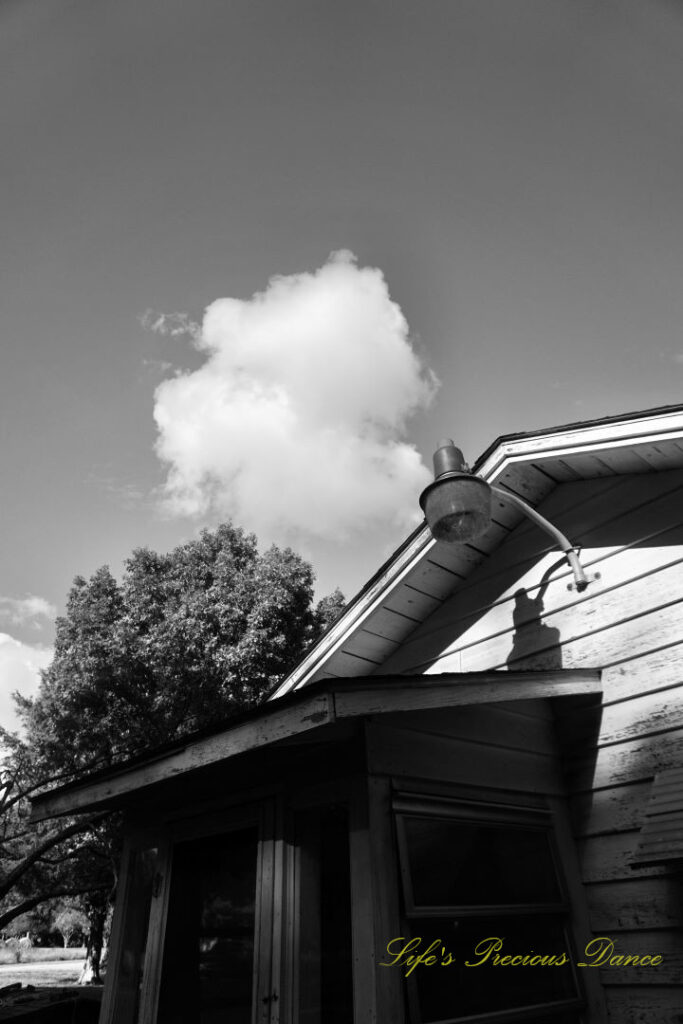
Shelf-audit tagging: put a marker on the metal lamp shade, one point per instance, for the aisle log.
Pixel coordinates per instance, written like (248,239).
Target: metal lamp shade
(457,507)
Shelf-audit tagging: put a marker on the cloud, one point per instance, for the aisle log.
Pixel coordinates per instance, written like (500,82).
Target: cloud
(125,495)
(293,425)
(20,666)
(26,611)
(169,325)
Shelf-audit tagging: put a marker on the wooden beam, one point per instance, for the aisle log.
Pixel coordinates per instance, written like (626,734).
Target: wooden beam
(459,691)
(275,723)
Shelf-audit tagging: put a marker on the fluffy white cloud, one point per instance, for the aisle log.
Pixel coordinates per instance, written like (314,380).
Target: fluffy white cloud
(293,424)
(26,611)
(20,666)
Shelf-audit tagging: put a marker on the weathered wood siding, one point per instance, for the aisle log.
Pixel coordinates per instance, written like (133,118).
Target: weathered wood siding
(508,745)
(516,610)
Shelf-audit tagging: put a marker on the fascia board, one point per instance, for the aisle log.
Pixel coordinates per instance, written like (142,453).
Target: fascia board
(267,725)
(360,609)
(584,440)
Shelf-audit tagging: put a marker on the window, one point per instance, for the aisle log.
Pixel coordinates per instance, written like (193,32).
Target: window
(481,882)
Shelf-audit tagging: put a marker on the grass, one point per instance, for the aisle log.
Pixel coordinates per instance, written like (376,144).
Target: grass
(43,976)
(40,954)
(42,967)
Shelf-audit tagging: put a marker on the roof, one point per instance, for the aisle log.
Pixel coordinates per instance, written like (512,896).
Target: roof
(423,573)
(323,704)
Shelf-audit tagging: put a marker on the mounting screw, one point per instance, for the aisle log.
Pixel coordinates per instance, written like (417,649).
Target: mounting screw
(589,579)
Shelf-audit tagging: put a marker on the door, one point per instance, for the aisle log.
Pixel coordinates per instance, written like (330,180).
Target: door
(208,964)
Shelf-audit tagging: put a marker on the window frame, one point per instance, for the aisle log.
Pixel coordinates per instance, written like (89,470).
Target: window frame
(473,811)
(118,1004)
(134,937)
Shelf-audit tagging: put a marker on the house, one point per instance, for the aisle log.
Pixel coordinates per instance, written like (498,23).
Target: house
(465,803)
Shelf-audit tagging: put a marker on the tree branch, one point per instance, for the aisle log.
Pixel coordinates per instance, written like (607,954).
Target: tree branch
(34,901)
(38,851)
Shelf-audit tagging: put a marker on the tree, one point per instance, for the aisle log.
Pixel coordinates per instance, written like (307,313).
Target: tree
(70,920)
(41,861)
(183,640)
(328,610)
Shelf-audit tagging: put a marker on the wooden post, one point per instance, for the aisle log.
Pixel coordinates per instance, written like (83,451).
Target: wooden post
(112,996)
(378,993)
(136,934)
(389,980)
(154,949)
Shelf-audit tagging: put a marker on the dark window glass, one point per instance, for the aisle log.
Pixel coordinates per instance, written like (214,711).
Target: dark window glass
(207,974)
(325,983)
(478,891)
(457,990)
(459,863)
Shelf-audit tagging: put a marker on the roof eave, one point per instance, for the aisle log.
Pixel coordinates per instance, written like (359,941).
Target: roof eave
(322,704)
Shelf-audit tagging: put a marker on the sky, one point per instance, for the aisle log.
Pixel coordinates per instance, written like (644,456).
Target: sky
(257,257)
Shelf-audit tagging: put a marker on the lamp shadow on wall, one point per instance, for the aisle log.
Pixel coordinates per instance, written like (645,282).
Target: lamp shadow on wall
(538,647)
(535,645)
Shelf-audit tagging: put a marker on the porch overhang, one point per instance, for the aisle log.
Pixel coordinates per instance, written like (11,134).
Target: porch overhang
(300,714)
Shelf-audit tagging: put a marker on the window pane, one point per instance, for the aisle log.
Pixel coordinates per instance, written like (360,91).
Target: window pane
(209,953)
(460,863)
(456,990)
(325,984)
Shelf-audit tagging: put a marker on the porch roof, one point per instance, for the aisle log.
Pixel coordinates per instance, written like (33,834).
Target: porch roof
(320,704)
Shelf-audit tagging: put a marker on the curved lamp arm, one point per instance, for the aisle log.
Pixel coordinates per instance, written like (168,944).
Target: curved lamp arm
(563,542)
(457,507)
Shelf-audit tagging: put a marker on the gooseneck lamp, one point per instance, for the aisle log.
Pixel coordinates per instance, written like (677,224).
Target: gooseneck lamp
(457,507)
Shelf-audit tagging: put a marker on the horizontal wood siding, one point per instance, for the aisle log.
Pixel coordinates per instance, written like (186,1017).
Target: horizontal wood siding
(498,746)
(663,831)
(647,1005)
(630,623)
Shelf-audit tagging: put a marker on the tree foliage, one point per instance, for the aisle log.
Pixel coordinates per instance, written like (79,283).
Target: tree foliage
(182,641)
(70,920)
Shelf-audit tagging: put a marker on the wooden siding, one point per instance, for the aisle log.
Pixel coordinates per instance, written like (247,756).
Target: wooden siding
(661,839)
(502,746)
(629,622)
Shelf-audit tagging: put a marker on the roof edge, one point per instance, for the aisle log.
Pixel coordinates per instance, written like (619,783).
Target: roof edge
(388,575)
(669,417)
